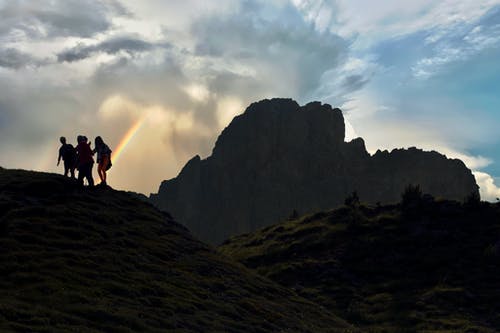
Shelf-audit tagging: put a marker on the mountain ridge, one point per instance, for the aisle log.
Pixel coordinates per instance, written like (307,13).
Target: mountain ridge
(278,157)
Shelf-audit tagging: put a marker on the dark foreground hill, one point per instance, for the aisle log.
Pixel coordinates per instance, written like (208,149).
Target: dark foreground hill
(99,260)
(430,267)
(278,157)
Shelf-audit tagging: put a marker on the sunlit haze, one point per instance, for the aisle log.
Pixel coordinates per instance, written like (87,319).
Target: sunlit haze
(159,80)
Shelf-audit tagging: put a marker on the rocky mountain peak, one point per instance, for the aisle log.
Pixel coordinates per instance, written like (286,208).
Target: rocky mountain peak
(278,157)
(280,123)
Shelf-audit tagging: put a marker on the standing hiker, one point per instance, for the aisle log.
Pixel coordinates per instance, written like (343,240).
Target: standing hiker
(103,158)
(85,162)
(68,154)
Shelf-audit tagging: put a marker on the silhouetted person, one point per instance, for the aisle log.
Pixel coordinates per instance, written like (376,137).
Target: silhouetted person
(68,154)
(85,160)
(103,158)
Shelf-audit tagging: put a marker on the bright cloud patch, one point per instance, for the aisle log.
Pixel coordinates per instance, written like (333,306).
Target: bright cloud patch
(161,141)
(489,191)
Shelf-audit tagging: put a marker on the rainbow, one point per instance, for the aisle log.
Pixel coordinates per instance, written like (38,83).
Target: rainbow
(117,152)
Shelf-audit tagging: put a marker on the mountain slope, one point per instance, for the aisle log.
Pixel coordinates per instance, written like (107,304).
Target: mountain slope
(99,260)
(428,267)
(278,156)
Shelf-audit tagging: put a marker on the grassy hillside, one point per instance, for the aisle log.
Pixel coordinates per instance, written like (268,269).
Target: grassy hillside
(428,267)
(98,260)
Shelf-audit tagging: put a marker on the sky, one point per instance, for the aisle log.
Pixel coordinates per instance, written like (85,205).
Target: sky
(159,80)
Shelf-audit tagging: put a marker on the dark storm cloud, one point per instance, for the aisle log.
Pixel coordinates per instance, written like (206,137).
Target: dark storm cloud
(230,83)
(39,112)
(128,44)
(15,59)
(280,46)
(44,18)
(158,83)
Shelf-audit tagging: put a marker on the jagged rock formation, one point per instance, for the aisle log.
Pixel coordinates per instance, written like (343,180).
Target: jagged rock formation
(278,157)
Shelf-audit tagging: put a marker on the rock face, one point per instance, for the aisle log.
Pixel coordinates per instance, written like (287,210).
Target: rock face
(278,157)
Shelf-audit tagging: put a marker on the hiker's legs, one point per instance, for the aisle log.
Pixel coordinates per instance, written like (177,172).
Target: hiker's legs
(103,166)
(90,179)
(74,163)
(81,174)
(85,171)
(66,169)
(100,172)
(68,166)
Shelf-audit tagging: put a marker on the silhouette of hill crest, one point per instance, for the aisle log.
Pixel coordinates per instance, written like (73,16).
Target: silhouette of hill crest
(388,268)
(98,260)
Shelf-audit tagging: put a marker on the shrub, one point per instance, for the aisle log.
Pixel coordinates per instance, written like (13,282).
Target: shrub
(352,200)
(411,196)
(412,202)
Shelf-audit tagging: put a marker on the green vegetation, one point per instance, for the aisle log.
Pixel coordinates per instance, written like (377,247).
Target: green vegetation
(98,260)
(420,266)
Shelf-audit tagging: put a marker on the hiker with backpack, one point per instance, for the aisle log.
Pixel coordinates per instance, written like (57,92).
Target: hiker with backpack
(103,158)
(85,162)
(68,154)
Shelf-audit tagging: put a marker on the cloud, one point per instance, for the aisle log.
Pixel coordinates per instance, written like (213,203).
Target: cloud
(174,16)
(454,45)
(271,44)
(14,59)
(34,113)
(127,44)
(489,190)
(157,82)
(57,18)
(338,84)
(369,24)
(166,139)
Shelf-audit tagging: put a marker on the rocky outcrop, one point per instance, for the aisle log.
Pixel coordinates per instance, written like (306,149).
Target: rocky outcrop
(278,157)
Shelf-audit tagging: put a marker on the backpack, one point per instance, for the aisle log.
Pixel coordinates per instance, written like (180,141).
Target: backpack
(106,150)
